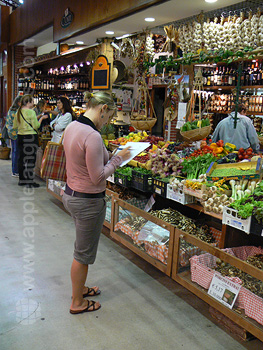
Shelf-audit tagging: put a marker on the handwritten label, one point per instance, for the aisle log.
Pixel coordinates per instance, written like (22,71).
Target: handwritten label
(224,290)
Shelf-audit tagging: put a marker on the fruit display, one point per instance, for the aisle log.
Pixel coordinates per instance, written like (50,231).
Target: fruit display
(108,132)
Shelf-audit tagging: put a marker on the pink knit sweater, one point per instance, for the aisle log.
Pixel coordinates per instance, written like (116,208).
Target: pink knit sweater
(87,160)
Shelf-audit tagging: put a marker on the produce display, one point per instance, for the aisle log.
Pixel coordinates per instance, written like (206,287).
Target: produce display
(251,204)
(194,166)
(165,164)
(185,168)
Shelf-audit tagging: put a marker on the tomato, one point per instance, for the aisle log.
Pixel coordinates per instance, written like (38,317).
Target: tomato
(250,149)
(246,156)
(241,150)
(249,153)
(240,157)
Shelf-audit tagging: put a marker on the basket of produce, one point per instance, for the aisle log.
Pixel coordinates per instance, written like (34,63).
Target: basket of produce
(196,130)
(145,124)
(4,152)
(123,176)
(236,171)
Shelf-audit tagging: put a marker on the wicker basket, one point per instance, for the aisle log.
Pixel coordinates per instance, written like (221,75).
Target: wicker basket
(196,134)
(4,152)
(260,138)
(146,124)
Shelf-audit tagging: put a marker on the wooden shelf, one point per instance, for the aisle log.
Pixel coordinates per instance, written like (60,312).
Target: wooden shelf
(201,209)
(248,113)
(226,88)
(55,91)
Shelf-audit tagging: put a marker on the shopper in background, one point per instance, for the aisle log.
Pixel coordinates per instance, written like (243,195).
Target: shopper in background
(40,110)
(88,167)
(13,133)
(62,120)
(243,136)
(27,124)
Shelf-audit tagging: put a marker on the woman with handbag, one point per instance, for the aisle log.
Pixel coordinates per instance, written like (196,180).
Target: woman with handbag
(88,167)
(26,123)
(62,120)
(13,134)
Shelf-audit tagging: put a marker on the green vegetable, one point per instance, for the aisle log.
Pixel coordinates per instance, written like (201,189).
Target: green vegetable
(194,167)
(142,171)
(205,122)
(225,172)
(124,172)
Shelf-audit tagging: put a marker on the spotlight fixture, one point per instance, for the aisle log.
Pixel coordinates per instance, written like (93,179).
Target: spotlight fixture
(79,42)
(210,1)
(109,32)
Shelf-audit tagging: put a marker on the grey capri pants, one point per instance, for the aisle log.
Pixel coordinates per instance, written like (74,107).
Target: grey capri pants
(89,215)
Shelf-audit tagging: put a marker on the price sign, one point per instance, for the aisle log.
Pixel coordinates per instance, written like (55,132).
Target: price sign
(224,290)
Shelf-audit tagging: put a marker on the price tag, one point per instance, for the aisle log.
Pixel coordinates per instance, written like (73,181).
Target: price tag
(224,290)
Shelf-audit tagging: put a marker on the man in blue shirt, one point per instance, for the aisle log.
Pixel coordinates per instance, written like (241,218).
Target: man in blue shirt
(243,136)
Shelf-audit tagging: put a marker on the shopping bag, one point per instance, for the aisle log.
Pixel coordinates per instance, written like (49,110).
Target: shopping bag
(53,165)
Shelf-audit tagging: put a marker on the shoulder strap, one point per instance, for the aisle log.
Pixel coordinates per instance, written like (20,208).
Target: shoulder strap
(28,122)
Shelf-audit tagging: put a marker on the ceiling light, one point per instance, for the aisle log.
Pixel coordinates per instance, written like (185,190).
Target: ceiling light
(210,0)
(79,42)
(149,19)
(21,1)
(109,32)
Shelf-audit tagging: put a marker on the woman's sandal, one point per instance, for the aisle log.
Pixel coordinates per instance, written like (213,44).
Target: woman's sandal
(90,307)
(91,292)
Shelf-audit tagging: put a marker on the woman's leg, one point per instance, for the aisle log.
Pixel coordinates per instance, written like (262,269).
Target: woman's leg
(21,162)
(78,278)
(31,150)
(14,144)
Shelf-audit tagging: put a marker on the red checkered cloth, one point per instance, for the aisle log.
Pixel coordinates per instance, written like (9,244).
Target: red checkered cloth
(53,165)
(125,228)
(202,274)
(216,234)
(158,251)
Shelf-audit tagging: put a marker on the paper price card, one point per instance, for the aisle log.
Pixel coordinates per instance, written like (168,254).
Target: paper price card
(224,290)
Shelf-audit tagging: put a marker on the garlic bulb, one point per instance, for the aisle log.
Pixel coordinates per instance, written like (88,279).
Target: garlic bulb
(149,48)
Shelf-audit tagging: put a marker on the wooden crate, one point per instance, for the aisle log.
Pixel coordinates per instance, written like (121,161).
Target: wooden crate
(184,278)
(129,243)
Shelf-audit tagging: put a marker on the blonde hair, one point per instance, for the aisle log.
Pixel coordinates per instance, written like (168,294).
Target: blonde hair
(25,100)
(99,98)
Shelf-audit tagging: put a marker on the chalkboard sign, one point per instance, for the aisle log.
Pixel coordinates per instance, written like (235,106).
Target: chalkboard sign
(101,74)
(101,77)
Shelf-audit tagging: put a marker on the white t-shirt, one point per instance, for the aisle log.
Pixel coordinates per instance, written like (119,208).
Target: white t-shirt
(61,121)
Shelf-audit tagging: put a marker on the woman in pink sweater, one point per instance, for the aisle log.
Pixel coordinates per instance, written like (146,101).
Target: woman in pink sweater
(88,167)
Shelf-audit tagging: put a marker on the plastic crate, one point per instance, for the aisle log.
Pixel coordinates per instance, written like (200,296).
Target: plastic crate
(122,180)
(231,218)
(160,187)
(255,227)
(142,182)
(178,195)
(111,178)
